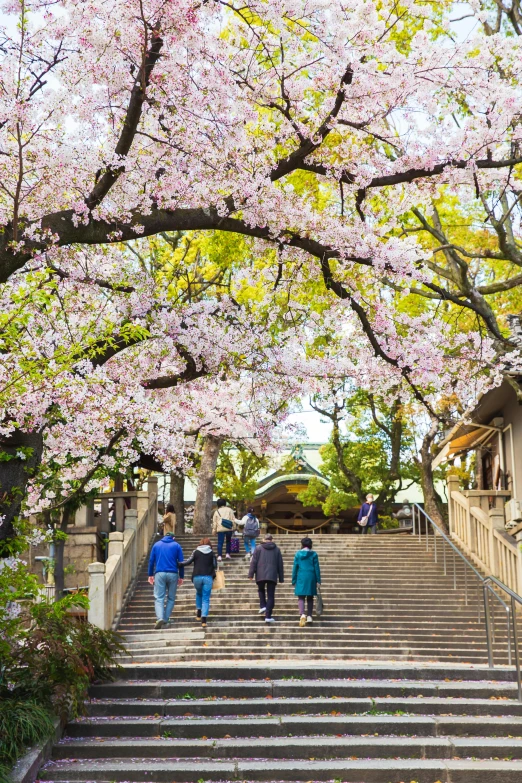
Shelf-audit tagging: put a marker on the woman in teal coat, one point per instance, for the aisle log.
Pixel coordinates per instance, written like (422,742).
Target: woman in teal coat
(306,575)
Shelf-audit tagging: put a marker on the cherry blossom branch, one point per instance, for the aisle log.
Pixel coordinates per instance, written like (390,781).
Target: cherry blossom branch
(130,124)
(105,451)
(343,293)
(98,281)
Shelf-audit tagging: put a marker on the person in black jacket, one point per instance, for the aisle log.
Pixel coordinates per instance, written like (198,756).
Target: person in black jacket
(203,575)
(267,568)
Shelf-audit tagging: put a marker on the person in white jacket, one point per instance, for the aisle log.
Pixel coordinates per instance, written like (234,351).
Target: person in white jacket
(224,523)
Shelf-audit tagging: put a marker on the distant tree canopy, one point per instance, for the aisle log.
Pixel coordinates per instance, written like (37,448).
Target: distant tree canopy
(237,473)
(375,453)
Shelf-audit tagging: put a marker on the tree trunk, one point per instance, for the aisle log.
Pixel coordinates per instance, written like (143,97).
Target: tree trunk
(59,576)
(25,452)
(177,498)
(205,492)
(433,504)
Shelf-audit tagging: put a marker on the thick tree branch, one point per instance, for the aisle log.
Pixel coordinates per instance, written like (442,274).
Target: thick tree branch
(342,293)
(130,124)
(307,146)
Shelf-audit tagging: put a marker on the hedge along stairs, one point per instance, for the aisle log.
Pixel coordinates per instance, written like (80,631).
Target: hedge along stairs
(354,723)
(385,597)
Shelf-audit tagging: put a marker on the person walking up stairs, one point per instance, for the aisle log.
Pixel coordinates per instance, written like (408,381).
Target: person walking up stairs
(266,567)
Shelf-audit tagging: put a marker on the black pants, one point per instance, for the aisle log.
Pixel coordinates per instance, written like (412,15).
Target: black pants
(266,591)
(369,529)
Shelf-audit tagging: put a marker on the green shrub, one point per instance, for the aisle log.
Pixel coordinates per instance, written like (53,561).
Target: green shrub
(60,656)
(22,724)
(388,523)
(48,658)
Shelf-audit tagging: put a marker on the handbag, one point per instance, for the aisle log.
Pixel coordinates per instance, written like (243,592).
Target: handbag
(234,546)
(364,520)
(219,581)
(226,523)
(319,606)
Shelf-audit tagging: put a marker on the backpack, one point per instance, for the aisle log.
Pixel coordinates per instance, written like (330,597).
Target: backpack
(251,529)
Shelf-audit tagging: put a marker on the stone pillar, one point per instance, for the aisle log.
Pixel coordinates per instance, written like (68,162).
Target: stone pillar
(518,539)
(115,544)
(496,522)
(453,486)
(152,484)
(116,549)
(81,518)
(97,604)
(131,523)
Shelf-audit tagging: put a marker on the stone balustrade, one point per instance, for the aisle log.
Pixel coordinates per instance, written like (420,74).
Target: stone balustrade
(477,524)
(111,583)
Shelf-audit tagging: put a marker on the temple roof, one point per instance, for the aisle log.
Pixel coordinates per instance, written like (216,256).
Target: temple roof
(301,473)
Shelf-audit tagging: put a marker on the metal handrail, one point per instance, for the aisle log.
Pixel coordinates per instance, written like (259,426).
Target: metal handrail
(515,598)
(487,590)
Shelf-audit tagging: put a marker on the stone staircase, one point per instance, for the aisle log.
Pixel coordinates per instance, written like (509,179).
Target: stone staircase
(344,722)
(386,599)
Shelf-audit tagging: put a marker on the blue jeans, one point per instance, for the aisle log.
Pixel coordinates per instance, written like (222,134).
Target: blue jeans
(165,584)
(221,538)
(250,544)
(203,585)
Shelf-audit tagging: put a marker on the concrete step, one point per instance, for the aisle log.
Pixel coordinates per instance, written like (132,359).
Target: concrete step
(344,671)
(219,706)
(284,726)
(293,748)
(350,722)
(349,771)
(302,688)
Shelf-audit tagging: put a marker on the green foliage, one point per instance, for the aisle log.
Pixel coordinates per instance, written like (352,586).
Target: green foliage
(60,656)
(376,454)
(22,724)
(388,523)
(237,473)
(48,657)
(331,499)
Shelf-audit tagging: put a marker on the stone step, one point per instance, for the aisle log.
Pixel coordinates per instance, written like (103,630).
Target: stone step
(349,771)
(309,637)
(300,748)
(410,705)
(350,722)
(270,637)
(345,671)
(302,688)
(289,623)
(184,654)
(283,726)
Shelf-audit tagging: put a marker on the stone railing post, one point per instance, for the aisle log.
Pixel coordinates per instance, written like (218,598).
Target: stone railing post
(116,548)
(518,539)
(453,486)
(496,522)
(131,523)
(153,487)
(97,597)
(153,509)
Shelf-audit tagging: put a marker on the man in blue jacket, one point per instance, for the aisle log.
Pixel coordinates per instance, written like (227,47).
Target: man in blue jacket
(165,574)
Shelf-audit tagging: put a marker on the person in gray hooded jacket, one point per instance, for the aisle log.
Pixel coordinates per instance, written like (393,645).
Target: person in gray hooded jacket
(267,568)
(203,576)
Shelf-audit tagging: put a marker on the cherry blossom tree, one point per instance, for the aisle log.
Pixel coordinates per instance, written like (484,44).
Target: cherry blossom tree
(306,127)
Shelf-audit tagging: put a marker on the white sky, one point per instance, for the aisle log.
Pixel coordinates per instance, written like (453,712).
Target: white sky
(318,429)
